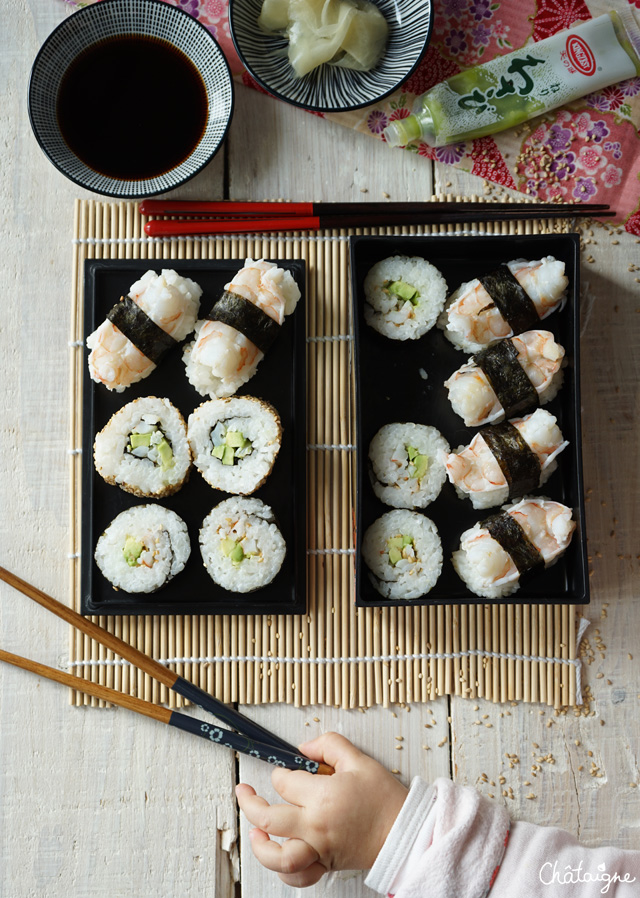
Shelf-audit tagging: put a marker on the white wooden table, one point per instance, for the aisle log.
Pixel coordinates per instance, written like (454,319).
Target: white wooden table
(102,803)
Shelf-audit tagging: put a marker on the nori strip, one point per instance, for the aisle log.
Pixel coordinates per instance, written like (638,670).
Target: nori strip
(507,531)
(144,333)
(513,303)
(507,377)
(244,316)
(518,462)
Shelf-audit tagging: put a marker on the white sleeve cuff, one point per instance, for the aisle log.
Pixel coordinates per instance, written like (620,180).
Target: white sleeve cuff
(410,835)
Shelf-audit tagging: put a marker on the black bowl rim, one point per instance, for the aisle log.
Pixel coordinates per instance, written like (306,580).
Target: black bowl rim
(311,108)
(123,195)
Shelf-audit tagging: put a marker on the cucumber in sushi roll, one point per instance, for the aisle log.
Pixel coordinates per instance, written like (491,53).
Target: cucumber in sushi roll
(403,552)
(496,552)
(242,548)
(143,448)
(404,295)
(143,548)
(235,442)
(407,470)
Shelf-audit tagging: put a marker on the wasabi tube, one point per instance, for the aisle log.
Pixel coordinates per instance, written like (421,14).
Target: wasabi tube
(514,88)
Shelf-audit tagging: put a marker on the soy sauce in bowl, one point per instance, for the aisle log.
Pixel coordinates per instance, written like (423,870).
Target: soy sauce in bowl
(132,107)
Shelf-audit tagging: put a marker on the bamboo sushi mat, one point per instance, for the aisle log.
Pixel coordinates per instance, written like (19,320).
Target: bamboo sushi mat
(335,654)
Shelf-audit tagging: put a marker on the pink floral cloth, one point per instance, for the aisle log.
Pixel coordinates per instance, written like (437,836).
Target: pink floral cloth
(587,152)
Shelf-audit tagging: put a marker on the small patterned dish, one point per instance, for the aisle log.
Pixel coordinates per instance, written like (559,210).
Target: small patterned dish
(331,88)
(87,32)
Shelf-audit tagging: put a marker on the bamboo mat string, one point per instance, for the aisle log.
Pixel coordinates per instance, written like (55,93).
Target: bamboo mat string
(334,654)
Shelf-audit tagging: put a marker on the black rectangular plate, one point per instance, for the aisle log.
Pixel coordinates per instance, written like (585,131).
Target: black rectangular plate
(280,379)
(389,388)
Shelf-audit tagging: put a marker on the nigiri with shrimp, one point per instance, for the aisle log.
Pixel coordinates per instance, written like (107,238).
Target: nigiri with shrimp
(159,312)
(510,300)
(496,553)
(508,378)
(508,460)
(240,328)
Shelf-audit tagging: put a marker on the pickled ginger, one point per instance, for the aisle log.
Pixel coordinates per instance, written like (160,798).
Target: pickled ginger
(348,33)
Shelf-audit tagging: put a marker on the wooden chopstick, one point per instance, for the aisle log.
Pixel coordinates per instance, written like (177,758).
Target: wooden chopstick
(215,734)
(190,691)
(231,208)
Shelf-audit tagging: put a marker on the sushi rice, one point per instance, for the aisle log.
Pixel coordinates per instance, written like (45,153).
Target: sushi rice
(143,548)
(489,570)
(143,448)
(242,548)
(235,442)
(404,295)
(407,470)
(403,552)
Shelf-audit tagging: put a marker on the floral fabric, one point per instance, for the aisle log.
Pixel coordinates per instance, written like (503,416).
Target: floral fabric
(588,151)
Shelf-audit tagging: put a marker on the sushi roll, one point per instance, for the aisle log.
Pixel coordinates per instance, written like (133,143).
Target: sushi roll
(242,325)
(403,552)
(241,546)
(496,552)
(143,548)
(404,295)
(159,311)
(235,442)
(508,301)
(406,464)
(508,378)
(143,448)
(508,460)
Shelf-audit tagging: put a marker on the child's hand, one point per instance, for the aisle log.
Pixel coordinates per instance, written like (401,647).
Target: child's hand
(337,822)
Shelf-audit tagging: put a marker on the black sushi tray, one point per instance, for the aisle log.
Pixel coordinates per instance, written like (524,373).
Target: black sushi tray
(280,380)
(399,381)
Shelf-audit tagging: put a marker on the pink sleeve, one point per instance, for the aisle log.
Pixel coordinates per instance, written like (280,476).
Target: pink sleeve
(450,842)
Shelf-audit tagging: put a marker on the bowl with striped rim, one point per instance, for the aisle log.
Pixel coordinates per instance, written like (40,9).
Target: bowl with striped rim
(332,88)
(154,23)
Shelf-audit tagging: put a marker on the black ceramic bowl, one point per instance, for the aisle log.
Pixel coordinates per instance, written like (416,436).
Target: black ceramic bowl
(331,88)
(150,22)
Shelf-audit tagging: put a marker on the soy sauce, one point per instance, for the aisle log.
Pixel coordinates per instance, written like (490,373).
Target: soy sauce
(132,107)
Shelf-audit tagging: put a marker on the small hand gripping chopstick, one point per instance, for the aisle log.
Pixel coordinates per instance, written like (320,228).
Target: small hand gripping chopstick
(250,739)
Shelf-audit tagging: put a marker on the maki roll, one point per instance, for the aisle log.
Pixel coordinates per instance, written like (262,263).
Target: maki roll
(403,297)
(510,300)
(403,552)
(241,545)
(507,460)
(406,464)
(159,311)
(508,378)
(496,552)
(143,448)
(242,325)
(235,442)
(143,548)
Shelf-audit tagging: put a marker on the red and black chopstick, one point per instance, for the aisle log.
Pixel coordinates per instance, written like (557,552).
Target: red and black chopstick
(228,217)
